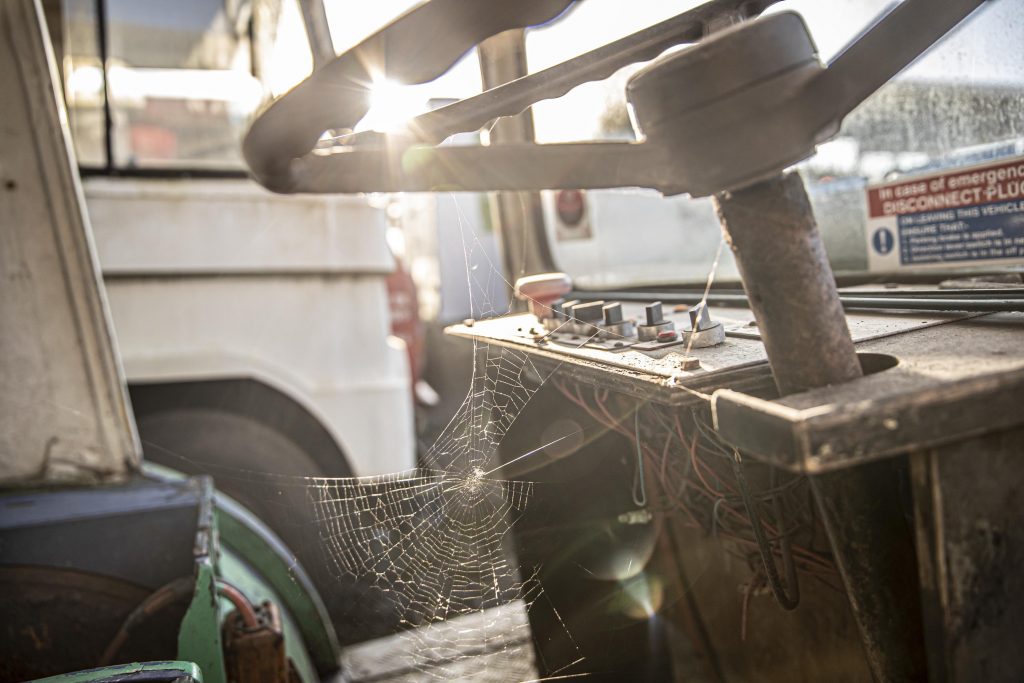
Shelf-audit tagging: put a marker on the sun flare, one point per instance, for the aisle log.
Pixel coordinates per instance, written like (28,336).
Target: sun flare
(392,105)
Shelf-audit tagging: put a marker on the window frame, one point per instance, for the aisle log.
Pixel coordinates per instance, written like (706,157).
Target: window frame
(108,168)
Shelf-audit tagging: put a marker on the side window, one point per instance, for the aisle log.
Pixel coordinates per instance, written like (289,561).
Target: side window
(180,82)
(180,78)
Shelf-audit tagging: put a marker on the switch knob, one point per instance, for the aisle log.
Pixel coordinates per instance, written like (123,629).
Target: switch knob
(562,313)
(590,312)
(615,326)
(540,291)
(612,313)
(702,330)
(700,319)
(653,314)
(654,323)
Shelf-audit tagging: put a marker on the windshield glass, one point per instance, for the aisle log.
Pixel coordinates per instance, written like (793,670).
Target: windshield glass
(958,105)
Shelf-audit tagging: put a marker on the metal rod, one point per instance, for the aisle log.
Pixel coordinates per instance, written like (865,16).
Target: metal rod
(318,31)
(791,290)
(517,216)
(906,301)
(103,48)
(512,97)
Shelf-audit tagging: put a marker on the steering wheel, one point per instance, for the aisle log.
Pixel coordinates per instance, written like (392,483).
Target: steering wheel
(748,99)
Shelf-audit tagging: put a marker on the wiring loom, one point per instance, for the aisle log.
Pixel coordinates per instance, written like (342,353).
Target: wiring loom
(689,474)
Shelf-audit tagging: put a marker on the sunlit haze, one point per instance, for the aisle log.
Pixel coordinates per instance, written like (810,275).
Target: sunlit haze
(391,106)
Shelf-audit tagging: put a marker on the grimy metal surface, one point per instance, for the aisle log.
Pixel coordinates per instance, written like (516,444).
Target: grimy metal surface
(971,549)
(658,373)
(873,547)
(63,407)
(952,404)
(893,411)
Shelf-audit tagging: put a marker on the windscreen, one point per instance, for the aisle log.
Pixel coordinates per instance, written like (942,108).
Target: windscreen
(957,107)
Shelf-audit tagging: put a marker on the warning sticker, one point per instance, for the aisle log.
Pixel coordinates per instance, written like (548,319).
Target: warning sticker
(961,217)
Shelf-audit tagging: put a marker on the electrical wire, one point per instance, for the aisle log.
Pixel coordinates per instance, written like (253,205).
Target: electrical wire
(674,486)
(639,487)
(787,600)
(167,595)
(241,603)
(161,598)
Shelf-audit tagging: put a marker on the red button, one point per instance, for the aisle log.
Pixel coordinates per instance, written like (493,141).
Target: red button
(666,336)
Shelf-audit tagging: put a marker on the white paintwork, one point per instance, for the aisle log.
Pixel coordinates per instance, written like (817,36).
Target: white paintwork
(221,279)
(231,226)
(640,238)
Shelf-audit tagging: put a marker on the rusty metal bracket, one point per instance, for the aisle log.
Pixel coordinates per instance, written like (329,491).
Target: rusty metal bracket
(874,417)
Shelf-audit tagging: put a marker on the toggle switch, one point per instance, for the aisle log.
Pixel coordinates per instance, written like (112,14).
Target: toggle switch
(612,313)
(655,324)
(590,312)
(702,331)
(615,326)
(586,317)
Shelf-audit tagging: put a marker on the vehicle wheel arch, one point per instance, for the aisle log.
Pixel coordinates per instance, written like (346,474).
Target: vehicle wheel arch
(247,397)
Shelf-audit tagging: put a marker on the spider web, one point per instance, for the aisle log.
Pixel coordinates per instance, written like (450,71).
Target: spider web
(436,541)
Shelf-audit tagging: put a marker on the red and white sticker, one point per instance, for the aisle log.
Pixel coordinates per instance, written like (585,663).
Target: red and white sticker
(968,216)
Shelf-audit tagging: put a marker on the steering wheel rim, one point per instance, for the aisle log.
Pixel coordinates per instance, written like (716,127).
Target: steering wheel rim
(407,50)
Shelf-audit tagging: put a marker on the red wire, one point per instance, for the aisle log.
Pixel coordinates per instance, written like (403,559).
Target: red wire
(813,562)
(241,603)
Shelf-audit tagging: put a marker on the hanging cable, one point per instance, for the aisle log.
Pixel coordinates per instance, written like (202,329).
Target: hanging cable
(163,597)
(639,486)
(241,603)
(785,600)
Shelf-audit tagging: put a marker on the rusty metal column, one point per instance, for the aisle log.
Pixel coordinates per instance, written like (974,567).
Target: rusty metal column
(518,216)
(772,232)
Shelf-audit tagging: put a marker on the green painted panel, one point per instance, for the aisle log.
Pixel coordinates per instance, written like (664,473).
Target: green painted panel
(199,638)
(252,541)
(120,671)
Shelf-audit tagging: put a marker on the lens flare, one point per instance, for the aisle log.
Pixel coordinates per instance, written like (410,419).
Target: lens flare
(392,105)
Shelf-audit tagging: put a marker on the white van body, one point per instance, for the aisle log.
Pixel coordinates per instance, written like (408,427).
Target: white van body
(214,278)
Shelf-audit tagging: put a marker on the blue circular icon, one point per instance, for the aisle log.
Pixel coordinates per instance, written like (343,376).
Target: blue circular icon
(883,241)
